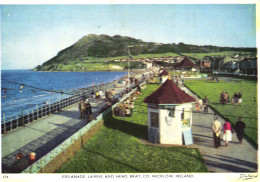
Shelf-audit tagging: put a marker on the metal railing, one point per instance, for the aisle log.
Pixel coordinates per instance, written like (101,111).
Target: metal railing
(42,162)
(14,121)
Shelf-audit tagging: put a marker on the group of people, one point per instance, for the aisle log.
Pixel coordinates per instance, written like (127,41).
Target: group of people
(85,109)
(202,104)
(236,99)
(178,80)
(126,108)
(227,130)
(23,162)
(109,95)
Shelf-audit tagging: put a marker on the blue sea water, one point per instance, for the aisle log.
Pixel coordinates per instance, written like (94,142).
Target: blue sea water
(14,101)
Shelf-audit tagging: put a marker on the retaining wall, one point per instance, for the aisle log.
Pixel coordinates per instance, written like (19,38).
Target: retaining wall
(63,152)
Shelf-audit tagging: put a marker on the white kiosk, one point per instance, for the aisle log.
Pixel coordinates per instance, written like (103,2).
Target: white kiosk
(169,115)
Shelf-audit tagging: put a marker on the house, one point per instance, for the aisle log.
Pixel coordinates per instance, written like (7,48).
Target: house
(169,115)
(248,65)
(148,65)
(185,64)
(231,66)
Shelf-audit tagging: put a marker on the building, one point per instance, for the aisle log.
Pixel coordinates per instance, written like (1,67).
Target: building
(248,66)
(231,66)
(185,64)
(169,115)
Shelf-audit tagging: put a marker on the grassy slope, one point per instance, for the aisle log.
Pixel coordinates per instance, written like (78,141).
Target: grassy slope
(98,64)
(117,147)
(248,110)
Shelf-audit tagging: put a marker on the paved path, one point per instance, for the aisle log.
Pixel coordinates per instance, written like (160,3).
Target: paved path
(235,157)
(43,135)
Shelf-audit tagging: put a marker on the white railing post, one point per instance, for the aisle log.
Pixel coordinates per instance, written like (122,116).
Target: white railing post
(37,111)
(4,123)
(28,116)
(32,115)
(17,121)
(11,123)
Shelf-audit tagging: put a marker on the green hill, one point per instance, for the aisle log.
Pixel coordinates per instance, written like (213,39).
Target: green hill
(96,52)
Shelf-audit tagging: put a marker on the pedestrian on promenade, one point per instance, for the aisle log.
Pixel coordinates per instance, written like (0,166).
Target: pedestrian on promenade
(97,95)
(21,164)
(93,94)
(32,158)
(206,104)
(227,131)
(88,111)
(240,127)
(216,127)
(82,109)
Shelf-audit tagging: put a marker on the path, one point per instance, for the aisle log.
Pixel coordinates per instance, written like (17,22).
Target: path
(235,157)
(43,135)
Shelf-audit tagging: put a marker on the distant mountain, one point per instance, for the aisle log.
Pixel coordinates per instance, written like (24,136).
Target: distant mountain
(103,46)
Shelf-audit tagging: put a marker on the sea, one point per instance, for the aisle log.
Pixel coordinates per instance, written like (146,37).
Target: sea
(17,97)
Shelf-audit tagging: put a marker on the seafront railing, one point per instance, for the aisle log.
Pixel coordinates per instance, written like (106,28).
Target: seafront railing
(14,121)
(59,155)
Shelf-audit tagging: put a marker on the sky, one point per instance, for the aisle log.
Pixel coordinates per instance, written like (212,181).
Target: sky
(33,34)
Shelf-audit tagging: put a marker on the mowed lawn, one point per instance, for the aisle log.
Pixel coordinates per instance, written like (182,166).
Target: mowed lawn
(248,108)
(120,146)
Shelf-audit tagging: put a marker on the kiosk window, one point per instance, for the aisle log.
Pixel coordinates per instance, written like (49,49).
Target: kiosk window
(172,113)
(154,119)
(182,114)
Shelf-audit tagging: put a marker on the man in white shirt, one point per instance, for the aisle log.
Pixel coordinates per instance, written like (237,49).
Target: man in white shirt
(216,127)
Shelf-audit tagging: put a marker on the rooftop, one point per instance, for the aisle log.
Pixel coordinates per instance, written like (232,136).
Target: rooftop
(169,93)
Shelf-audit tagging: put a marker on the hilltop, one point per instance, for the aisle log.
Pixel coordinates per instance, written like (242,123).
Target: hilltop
(97,52)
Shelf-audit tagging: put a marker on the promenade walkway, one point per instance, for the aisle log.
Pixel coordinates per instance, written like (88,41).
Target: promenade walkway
(235,157)
(43,135)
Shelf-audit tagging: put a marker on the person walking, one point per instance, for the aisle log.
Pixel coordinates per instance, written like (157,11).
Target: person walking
(227,131)
(82,109)
(21,164)
(32,157)
(240,127)
(88,111)
(216,127)
(206,103)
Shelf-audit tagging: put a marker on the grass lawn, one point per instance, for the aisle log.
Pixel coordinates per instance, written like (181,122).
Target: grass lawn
(118,147)
(248,109)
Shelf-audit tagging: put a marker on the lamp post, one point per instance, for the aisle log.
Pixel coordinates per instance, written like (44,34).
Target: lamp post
(129,54)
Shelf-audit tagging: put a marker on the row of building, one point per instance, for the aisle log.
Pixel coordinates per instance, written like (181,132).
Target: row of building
(243,64)
(239,64)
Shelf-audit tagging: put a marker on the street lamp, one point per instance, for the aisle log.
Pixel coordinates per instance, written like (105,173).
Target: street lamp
(129,54)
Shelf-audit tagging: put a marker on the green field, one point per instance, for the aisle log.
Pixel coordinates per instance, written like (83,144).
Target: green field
(248,109)
(120,147)
(101,64)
